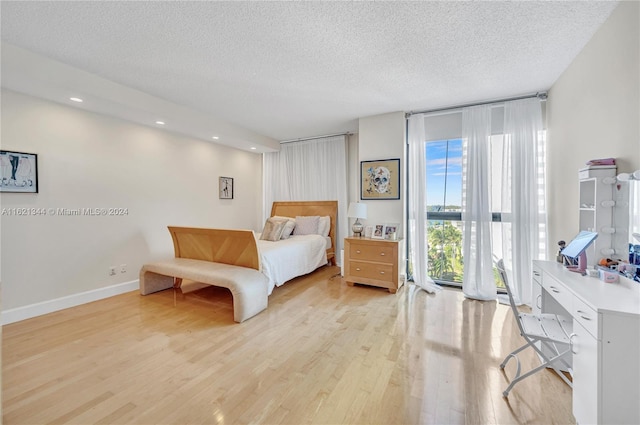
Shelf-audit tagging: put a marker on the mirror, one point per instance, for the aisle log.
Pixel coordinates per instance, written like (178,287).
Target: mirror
(634,212)
(629,218)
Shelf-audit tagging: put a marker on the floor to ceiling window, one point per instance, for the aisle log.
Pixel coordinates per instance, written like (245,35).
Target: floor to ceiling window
(477,192)
(444,201)
(444,208)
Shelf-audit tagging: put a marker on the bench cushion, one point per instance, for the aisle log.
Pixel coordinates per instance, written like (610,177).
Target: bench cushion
(249,287)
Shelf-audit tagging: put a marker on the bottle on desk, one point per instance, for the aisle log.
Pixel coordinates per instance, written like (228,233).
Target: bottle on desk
(560,257)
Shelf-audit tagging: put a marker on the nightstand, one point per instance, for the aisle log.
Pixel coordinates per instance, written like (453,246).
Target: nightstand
(373,262)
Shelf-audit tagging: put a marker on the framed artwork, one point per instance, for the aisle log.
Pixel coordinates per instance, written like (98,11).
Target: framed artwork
(377,231)
(380,179)
(225,187)
(19,172)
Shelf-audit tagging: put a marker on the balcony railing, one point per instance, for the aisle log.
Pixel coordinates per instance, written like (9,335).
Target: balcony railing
(444,248)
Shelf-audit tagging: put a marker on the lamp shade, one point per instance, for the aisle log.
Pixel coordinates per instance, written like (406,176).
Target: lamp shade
(357,210)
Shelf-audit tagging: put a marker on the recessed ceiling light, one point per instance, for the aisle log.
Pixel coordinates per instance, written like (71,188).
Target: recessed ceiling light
(76,99)
(253,148)
(160,122)
(215,137)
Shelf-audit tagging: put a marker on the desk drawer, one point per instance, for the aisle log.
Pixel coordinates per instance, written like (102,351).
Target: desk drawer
(559,292)
(372,271)
(537,275)
(587,316)
(365,252)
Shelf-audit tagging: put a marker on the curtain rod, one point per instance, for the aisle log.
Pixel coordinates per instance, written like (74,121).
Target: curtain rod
(315,137)
(539,95)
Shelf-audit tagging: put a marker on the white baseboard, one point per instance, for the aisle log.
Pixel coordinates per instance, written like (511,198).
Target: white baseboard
(38,309)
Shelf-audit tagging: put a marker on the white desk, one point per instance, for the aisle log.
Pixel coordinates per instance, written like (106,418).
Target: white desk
(605,340)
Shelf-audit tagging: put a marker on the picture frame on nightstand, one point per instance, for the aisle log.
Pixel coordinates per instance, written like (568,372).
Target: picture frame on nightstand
(378,231)
(391,231)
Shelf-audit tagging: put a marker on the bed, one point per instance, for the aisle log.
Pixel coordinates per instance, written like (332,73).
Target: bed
(237,260)
(298,255)
(280,261)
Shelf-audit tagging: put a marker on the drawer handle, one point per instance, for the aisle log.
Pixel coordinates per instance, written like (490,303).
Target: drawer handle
(554,289)
(357,269)
(358,252)
(536,273)
(582,314)
(382,253)
(539,301)
(572,343)
(381,272)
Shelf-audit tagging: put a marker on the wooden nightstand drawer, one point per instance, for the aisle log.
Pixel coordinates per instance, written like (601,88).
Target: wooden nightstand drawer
(364,252)
(373,262)
(372,270)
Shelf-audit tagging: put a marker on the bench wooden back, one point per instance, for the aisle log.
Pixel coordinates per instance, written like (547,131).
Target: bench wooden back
(234,247)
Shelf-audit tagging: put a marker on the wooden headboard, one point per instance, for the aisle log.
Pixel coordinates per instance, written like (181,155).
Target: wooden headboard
(321,208)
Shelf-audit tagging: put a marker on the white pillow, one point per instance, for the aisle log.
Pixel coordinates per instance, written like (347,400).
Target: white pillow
(306,225)
(324,226)
(288,227)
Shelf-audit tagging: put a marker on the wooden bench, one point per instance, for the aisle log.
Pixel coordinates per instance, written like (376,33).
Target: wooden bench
(218,257)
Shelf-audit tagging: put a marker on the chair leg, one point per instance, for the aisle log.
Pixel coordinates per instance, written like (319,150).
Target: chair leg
(519,378)
(548,362)
(512,354)
(559,358)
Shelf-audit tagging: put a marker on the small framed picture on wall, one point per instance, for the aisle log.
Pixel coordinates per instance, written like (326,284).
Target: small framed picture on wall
(19,172)
(225,187)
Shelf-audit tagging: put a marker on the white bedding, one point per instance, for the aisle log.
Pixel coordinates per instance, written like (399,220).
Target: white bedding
(288,258)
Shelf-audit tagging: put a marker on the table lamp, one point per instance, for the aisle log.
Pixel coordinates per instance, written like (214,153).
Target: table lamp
(357,211)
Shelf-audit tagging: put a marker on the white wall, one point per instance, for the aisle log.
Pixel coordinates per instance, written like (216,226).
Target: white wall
(87,160)
(383,137)
(593,111)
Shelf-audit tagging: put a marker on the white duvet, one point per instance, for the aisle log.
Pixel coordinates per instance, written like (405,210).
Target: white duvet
(288,258)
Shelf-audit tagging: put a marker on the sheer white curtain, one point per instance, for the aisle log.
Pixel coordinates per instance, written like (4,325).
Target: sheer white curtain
(478,282)
(312,170)
(417,219)
(503,167)
(524,218)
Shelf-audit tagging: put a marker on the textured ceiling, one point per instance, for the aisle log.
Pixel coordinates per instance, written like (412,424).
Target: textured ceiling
(288,70)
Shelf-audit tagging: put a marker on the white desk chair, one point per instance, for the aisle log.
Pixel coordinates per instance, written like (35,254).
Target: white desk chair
(548,329)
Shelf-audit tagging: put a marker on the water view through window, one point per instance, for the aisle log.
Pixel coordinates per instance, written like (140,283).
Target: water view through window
(444,212)
(444,207)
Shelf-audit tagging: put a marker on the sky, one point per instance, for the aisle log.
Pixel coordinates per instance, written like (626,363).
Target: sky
(444,168)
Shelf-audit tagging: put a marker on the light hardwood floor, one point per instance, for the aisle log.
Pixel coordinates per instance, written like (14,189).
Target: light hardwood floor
(322,353)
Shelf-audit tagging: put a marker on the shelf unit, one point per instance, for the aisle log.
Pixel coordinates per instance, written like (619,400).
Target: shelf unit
(602,203)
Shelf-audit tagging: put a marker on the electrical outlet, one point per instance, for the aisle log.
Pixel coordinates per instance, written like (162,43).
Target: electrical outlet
(112,271)
(123,268)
